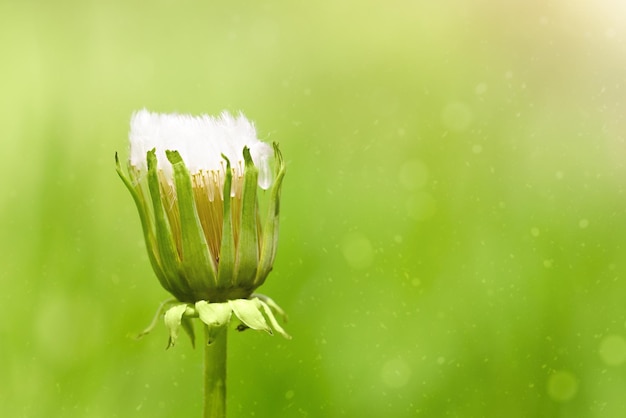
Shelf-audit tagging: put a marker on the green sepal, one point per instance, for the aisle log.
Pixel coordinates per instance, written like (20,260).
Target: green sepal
(187,324)
(270,229)
(197,262)
(270,315)
(170,261)
(226,266)
(254,313)
(248,245)
(214,315)
(273,305)
(159,312)
(146,222)
(248,311)
(173,319)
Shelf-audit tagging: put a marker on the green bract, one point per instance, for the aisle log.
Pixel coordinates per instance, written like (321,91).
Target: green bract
(205,237)
(257,313)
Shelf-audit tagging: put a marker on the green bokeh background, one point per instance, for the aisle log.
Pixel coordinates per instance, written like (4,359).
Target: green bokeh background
(453,217)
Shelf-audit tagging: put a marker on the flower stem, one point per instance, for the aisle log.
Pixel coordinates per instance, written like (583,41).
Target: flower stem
(215,373)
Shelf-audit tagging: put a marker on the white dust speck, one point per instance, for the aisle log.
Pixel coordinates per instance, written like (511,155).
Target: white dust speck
(477,149)
(583,223)
(534,232)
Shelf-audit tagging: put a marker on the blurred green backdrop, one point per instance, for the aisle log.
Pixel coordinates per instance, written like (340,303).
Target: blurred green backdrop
(453,214)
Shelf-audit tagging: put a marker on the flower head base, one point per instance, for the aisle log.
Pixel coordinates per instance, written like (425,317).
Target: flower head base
(195,181)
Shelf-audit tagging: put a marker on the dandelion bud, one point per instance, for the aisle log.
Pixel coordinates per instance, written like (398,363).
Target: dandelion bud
(195,181)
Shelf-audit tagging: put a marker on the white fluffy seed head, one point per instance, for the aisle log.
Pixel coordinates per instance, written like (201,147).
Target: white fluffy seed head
(200,140)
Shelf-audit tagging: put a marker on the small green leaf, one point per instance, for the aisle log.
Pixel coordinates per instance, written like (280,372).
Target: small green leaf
(226,270)
(248,245)
(197,261)
(173,318)
(249,313)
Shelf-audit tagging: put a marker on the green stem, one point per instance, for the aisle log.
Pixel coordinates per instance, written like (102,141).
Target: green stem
(215,373)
